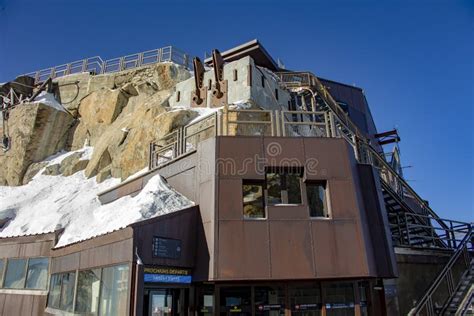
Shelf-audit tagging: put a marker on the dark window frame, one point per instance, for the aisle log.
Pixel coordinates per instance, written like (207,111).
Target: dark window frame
(284,192)
(255,183)
(326,202)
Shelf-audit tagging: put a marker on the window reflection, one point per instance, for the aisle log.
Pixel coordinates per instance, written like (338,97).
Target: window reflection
(15,274)
(37,276)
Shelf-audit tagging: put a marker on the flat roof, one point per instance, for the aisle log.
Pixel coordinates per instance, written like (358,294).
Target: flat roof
(253,49)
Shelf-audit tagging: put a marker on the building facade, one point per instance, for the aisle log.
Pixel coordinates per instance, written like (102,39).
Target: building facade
(293,215)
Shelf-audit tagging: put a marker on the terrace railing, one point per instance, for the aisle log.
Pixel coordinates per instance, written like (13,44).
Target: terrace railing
(95,65)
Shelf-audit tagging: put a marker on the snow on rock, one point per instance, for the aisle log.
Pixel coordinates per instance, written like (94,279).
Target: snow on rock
(49,100)
(49,203)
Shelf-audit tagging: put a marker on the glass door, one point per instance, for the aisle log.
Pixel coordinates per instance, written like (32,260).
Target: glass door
(164,302)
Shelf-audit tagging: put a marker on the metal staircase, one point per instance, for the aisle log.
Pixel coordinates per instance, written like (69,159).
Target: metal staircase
(412,222)
(445,293)
(462,300)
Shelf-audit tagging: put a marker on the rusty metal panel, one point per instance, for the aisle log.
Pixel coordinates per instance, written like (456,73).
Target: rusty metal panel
(179,225)
(130,187)
(291,250)
(181,183)
(2,302)
(240,157)
(243,250)
(27,305)
(12,305)
(114,253)
(343,201)
(231,204)
(65,263)
(9,250)
(280,151)
(328,157)
(338,249)
(289,212)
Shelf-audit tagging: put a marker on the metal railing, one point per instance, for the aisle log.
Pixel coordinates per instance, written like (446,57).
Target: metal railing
(182,141)
(445,284)
(95,65)
(416,230)
(242,122)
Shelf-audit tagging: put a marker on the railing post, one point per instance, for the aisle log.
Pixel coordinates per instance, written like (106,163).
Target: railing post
(84,65)
(121,63)
(140,60)
(150,156)
(408,230)
(159,58)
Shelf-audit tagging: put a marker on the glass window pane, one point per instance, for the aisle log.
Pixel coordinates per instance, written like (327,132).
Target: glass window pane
(269,301)
(114,292)
(67,291)
(37,276)
(54,291)
(236,300)
(253,200)
(339,299)
(88,287)
(316,194)
(274,188)
(293,188)
(306,300)
(2,266)
(15,275)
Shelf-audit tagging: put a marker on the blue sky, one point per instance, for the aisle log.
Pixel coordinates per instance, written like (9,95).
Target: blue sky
(414,60)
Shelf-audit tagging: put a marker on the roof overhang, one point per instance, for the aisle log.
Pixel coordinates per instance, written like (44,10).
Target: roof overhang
(253,49)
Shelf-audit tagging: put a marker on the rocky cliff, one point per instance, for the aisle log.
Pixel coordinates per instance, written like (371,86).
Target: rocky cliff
(117,114)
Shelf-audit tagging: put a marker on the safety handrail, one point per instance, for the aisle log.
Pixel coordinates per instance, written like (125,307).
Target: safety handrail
(309,80)
(445,275)
(96,65)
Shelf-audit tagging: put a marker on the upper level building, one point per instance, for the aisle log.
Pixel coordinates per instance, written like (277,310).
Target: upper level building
(297,211)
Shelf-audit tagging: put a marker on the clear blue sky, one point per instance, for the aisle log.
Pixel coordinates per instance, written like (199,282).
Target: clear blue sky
(414,60)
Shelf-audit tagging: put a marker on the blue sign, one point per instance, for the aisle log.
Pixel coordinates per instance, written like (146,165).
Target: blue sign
(167,278)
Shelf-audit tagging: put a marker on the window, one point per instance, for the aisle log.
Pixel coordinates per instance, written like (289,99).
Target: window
(88,287)
(269,300)
(2,266)
(37,275)
(283,186)
(54,291)
(15,274)
(235,75)
(305,300)
(263,81)
(253,199)
(317,201)
(101,291)
(67,291)
(114,291)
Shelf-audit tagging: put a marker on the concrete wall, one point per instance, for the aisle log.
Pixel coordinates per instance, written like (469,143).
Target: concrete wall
(417,270)
(247,88)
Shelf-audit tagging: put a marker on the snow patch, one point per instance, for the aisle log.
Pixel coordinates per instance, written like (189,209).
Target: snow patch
(48,203)
(49,100)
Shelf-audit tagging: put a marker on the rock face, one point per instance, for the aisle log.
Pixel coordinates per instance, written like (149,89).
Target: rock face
(118,114)
(37,131)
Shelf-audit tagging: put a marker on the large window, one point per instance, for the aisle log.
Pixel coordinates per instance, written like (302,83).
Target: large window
(67,291)
(283,185)
(102,292)
(254,206)
(305,300)
(88,289)
(37,275)
(114,291)
(317,200)
(24,273)
(54,290)
(15,274)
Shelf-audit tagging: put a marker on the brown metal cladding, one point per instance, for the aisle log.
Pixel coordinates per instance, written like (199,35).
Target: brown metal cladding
(288,244)
(179,225)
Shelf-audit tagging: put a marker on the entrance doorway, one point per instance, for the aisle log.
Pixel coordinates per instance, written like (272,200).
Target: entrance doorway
(165,302)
